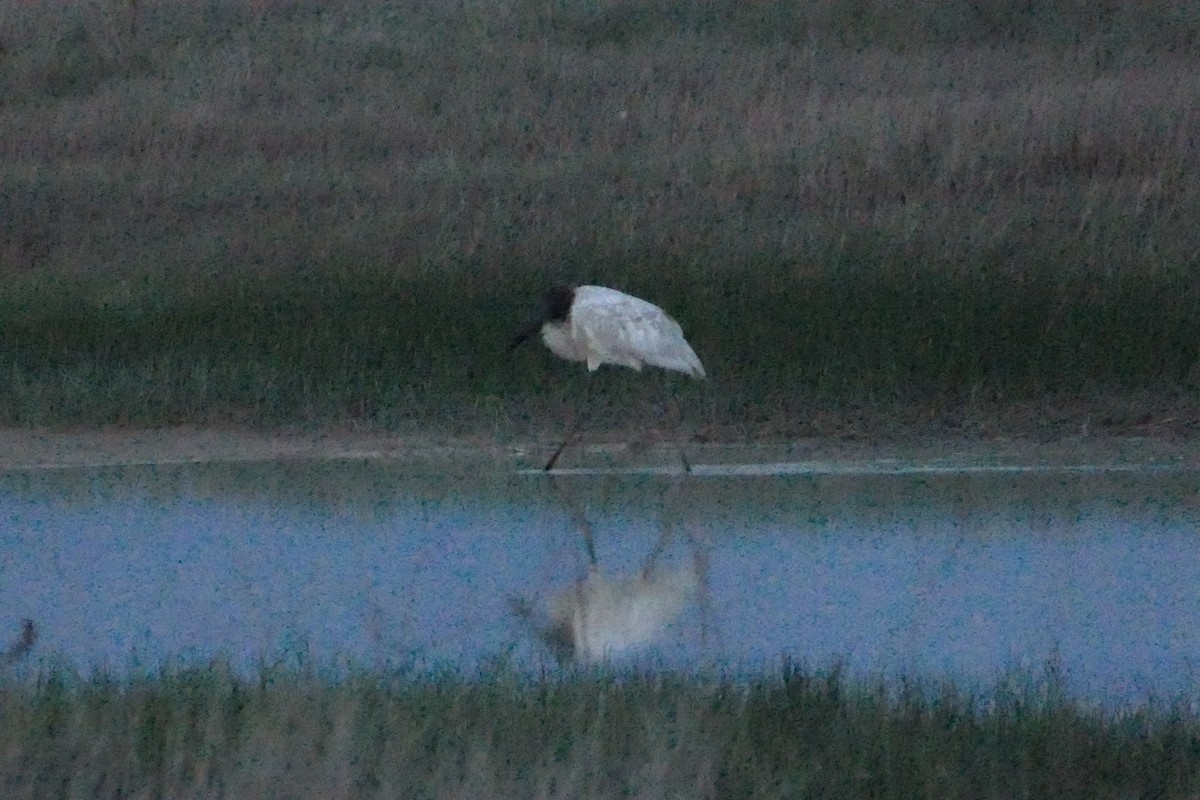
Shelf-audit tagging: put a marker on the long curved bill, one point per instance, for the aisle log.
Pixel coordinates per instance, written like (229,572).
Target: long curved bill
(532,327)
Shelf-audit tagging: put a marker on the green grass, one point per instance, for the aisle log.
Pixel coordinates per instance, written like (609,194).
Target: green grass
(289,214)
(289,732)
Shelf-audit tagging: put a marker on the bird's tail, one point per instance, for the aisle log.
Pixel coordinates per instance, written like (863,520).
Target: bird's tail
(685,361)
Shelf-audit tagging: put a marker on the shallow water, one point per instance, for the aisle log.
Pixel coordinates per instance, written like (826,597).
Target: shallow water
(935,573)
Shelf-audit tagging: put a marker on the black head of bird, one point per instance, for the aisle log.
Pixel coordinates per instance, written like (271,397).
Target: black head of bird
(555,306)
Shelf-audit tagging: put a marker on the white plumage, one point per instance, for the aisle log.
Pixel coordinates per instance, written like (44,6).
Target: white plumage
(598,325)
(600,617)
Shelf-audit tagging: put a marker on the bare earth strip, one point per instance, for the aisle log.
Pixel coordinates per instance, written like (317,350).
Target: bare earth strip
(33,449)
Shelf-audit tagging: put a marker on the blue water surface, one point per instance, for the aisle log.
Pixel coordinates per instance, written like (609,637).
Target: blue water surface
(895,573)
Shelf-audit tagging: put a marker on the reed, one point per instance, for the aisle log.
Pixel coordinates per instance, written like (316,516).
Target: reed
(205,731)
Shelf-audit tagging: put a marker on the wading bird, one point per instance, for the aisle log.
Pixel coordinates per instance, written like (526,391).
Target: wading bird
(597,325)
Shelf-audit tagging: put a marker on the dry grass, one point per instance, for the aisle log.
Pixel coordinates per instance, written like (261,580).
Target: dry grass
(847,202)
(204,732)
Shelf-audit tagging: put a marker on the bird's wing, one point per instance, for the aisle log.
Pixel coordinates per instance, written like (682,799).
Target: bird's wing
(619,329)
(623,329)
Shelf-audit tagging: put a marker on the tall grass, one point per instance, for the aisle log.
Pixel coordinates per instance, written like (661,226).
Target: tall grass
(299,213)
(206,732)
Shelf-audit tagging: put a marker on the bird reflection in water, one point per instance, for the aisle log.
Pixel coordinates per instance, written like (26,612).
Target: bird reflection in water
(600,616)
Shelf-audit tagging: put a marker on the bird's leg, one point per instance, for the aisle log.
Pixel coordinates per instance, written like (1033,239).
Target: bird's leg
(700,559)
(667,525)
(700,562)
(558,452)
(581,521)
(574,430)
(672,402)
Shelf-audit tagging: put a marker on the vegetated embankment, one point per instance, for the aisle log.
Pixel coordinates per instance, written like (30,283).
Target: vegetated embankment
(867,218)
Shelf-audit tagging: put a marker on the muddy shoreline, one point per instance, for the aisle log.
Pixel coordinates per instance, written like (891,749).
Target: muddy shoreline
(43,449)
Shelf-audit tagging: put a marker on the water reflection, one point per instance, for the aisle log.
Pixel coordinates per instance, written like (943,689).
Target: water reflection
(599,617)
(932,574)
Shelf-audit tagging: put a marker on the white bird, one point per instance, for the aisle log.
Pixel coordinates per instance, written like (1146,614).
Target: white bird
(598,325)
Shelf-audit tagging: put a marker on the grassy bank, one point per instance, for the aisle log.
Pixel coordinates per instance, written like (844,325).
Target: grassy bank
(204,732)
(288,213)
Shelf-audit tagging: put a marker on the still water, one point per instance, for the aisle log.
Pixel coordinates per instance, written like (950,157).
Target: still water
(887,570)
